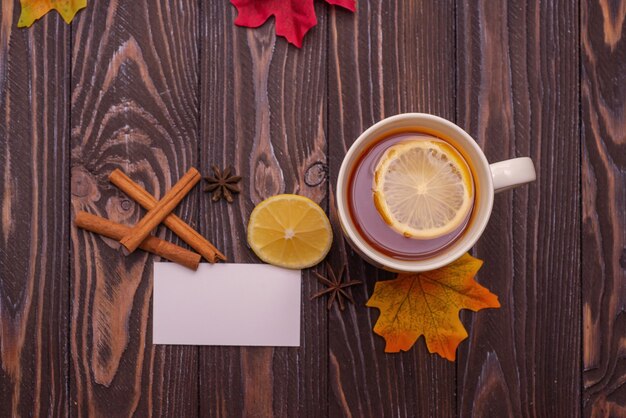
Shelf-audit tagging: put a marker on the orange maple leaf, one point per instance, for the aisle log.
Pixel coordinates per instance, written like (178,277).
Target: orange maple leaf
(34,9)
(428,304)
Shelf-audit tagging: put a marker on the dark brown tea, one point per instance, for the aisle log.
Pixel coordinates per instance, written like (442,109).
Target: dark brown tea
(367,218)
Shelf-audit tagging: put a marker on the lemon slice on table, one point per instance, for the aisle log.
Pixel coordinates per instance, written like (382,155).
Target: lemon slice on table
(289,231)
(423,189)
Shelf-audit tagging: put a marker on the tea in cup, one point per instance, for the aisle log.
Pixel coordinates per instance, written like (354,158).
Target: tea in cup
(415,192)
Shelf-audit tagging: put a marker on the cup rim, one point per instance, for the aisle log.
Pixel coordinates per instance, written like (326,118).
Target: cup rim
(413,266)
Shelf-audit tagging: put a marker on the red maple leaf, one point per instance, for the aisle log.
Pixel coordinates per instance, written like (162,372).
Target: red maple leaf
(294,18)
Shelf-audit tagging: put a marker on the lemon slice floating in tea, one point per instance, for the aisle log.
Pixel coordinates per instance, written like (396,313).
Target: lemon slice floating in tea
(423,189)
(289,231)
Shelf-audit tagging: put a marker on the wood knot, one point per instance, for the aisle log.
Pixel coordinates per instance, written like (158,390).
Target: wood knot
(84,185)
(126,205)
(316,174)
(622,259)
(120,208)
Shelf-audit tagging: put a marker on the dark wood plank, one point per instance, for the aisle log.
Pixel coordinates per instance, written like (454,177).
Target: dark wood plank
(263,112)
(34,226)
(392,57)
(518,96)
(603,88)
(135,107)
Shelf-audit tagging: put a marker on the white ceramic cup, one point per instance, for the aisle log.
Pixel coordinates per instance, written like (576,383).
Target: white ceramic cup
(492,178)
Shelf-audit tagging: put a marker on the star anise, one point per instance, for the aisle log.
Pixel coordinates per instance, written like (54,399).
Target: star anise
(223,184)
(336,287)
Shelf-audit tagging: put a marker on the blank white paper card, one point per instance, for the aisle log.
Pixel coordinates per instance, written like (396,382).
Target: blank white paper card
(226,304)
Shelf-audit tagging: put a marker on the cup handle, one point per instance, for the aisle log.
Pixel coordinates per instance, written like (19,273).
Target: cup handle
(509,174)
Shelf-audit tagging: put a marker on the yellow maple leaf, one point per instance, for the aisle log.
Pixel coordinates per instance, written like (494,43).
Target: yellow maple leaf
(428,304)
(34,9)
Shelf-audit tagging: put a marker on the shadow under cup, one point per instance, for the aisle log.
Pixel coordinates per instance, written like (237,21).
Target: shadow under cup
(483,183)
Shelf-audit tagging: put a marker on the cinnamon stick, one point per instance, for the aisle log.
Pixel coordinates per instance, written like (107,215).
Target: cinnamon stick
(159,212)
(152,244)
(173,222)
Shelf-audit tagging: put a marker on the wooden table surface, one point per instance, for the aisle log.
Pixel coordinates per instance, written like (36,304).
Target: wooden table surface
(154,87)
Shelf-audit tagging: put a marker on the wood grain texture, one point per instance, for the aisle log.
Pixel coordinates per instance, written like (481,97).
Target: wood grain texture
(392,57)
(34,203)
(134,106)
(603,89)
(155,87)
(518,96)
(263,112)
